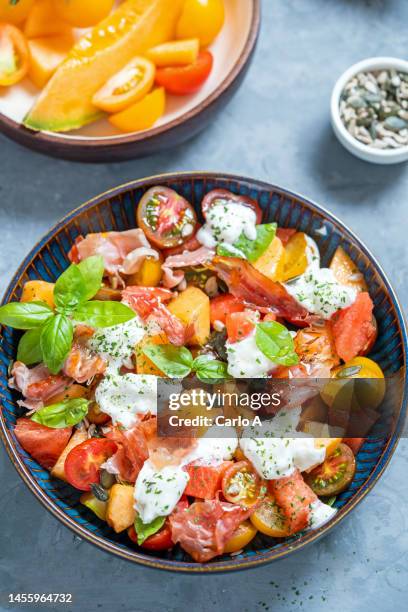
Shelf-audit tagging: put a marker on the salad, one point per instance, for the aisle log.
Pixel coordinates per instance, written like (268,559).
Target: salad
(230,298)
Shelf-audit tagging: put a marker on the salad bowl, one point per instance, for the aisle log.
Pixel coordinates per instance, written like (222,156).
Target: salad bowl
(116,210)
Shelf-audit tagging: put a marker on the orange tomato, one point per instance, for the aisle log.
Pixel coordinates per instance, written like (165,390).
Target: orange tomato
(15,13)
(182,80)
(202,19)
(241,537)
(14,55)
(143,114)
(82,14)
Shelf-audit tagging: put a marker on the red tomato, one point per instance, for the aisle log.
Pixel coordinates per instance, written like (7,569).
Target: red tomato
(239,325)
(217,196)
(182,80)
(353,328)
(223,305)
(354,443)
(83,462)
(241,484)
(158,541)
(294,497)
(44,444)
(205,480)
(284,233)
(192,244)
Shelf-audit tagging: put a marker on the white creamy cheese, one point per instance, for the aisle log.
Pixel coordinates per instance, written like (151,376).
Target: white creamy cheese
(320,513)
(117,344)
(320,293)
(225,222)
(124,397)
(212,449)
(312,254)
(158,491)
(245,360)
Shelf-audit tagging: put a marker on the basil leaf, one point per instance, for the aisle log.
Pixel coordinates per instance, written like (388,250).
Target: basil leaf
(174,361)
(145,530)
(29,349)
(276,343)
(251,249)
(63,414)
(210,369)
(92,269)
(103,314)
(70,289)
(25,315)
(56,341)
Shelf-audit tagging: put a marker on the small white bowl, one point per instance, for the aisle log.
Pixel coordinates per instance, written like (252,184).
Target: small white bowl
(365,152)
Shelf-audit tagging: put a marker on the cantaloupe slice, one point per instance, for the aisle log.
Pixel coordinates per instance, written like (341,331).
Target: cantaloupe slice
(47,53)
(43,20)
(137,25)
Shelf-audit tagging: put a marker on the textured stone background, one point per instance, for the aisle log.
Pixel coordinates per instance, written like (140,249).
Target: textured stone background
(277,129)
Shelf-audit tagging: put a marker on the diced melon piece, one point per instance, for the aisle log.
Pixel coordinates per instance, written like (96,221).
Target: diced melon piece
(296,260)
(43,20)
(143,364)
(175,53)
(58,469)
(346,271)
(120,513)
(192,307)
(136,25)
(38,291)
(272,262)
(47,53)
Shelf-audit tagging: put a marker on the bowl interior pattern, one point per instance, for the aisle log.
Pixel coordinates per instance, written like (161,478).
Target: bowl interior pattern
(116,210)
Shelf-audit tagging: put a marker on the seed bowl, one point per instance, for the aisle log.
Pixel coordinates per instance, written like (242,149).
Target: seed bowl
(366,152)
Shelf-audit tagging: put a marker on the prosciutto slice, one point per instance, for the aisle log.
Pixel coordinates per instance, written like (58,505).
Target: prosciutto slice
(36,384)
(173,275)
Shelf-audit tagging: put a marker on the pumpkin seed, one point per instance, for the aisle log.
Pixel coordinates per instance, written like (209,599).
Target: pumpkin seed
(99,492)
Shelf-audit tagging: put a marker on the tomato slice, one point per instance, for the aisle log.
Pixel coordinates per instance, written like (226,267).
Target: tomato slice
(239,325)
(14,55)
(44,444)
(126,87)
(83,462)
(334,474)
(223,305)
(223,196)
(166,218)
(158,541)
(182,80)
(241,484)
(269,519)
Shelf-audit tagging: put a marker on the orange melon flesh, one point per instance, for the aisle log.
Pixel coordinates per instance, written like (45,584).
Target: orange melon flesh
(46,55)
(43,20)
(66,102)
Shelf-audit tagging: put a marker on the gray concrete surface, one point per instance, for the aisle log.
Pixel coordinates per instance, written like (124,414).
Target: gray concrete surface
(277,128)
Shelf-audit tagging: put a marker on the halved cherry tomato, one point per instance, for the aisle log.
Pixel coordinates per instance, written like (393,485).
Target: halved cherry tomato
(126,87)
(96,416)
(334,474)
(370,390)
(241,484)
(14,55)
(158,541)
(269,519)
(223,196)
(182,80)
(223,305)
(239,325)
(191,244)
(240,538)
(167,219)
(83,462)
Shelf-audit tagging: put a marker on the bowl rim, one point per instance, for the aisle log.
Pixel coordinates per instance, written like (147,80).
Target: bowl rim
(51,138)
(258,558)
(367,151)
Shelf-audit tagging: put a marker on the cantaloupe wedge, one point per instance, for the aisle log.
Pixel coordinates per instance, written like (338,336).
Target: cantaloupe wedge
(43,20)
(47,53)
(137,25)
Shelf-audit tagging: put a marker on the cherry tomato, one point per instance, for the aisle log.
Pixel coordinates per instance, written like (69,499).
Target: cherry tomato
(192,244)
(15,12)
(201,19)
(83,462)
(269,519)
(241,484)
(223,305)
(241,537)
(167,219)
(96,416)
(82,14)
(158,541)
(223,196)
(126,87)
(239,325)
(183,80)
(334,474)
(14,55)
(370,390)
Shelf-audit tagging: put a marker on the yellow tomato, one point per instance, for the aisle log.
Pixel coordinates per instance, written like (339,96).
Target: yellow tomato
(272,262)
(126,87)
(14,55)
(268,519)
(370,390)
(202,19)
(241,537)
(83,13)
(15,13)
(143,114)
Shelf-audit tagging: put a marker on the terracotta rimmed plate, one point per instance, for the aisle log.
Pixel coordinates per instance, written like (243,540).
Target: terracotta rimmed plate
(185,115)
(115,210)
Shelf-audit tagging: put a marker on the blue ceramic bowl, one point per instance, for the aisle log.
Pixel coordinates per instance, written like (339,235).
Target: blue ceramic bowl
(116,210)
